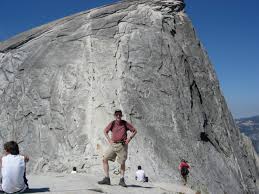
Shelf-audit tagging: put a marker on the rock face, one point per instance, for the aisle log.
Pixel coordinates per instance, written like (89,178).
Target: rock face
(60,83)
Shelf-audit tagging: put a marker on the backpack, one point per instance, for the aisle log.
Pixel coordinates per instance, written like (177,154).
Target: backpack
(184,171)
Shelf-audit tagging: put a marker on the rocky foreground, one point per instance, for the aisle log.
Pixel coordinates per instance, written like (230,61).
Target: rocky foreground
(87,184)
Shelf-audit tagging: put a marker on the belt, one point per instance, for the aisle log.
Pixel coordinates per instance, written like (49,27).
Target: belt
(123,142)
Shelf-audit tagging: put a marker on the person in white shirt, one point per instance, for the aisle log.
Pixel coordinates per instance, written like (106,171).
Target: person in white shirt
(140,175)
(13,169)
(74,170)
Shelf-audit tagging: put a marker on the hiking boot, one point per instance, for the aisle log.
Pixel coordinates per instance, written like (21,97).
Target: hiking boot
(122,183)
(105,181)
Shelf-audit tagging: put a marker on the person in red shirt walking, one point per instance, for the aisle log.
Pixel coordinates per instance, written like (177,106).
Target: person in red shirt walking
(118,146)
(184,169)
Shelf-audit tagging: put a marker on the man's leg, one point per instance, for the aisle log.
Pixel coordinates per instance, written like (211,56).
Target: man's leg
(106,167)
(123,167)
(106,180)
(109,155)
(122,181)
(122,157)
(185,179)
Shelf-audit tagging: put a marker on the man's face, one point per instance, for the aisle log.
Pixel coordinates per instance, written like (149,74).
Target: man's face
(118,116)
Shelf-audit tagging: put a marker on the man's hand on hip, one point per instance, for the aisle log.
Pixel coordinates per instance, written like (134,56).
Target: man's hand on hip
(127,141)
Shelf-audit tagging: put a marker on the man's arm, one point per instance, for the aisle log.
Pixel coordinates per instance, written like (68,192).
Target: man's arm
(106,133)
(133,132)
(26,158)
(180,166)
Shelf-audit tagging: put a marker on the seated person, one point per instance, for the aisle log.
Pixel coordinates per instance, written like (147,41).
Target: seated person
(140,175)
(74,170)
(13,168)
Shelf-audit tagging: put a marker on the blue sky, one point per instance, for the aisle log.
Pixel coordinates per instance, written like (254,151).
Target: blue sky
(229,30)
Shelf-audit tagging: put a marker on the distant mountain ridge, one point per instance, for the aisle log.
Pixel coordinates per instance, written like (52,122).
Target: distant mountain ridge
(250,127)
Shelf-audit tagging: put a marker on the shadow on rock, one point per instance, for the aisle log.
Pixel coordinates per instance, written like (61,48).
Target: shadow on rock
(139,186)
(37,190)
(96,190)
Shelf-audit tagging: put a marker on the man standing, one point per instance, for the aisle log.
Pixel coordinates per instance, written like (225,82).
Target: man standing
(184,168)
(118,146)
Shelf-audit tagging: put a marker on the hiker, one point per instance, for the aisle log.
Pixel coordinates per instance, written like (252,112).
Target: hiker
(140,175)
(118,146)
(13,168)
(184,169)
(74,171)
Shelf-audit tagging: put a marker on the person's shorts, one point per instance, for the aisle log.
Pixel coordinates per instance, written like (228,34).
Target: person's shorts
(118,150)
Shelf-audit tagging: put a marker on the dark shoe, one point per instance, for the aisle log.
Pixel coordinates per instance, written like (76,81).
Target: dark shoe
(122,183)
(105,181)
